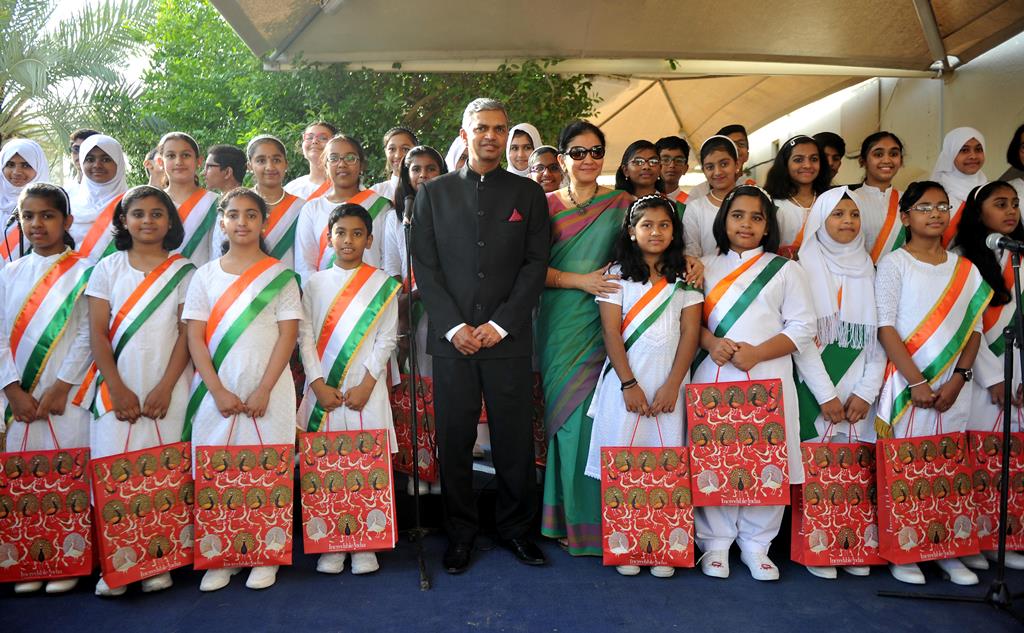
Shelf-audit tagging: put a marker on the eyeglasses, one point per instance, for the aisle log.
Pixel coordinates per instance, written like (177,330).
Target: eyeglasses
(553,168)
(74,148)
(640,162)
(309,136)
(678,161)
(579,153)
(942,207)
(348,158)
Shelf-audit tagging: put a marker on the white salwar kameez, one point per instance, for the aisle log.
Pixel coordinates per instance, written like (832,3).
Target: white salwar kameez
(386,188)
(874,207)
(302,187)
(988,371)
(792,218)
(698,220)
(312,222)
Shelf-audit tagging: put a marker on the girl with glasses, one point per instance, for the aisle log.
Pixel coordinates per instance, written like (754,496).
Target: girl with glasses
(639,173)
(545,170)
(316,183)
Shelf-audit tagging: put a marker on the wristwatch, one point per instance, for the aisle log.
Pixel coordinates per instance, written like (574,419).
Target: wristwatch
(966,374)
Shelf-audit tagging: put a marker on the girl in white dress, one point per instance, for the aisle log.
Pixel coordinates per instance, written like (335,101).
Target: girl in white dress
(141,400)
(315,183)
(796,178)
(250,381)
(360,398)
(35,291)
(1015,158)
(881,156)
(846,344)
(720,163)
(397,143)
(992,208)
(103,184)
(759,343)
(931,345)
(651,360)
(178,153)
(268,162)
(958,170)
(22,162)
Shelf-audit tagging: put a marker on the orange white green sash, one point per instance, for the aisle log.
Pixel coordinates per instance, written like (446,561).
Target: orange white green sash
(954,225)
(646,311)
(231,315)
(324,187)
(99,241)
(11,245)
(368,199)
(351,318)
(140,305)
(996,318)
(198,214)
(935,344)
(893,234)
(280,229)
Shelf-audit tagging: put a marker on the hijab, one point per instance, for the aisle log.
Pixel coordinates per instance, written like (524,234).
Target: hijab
(455,152)
(831,267)
(956,183)
(534,139)
(93,197)
(33,155)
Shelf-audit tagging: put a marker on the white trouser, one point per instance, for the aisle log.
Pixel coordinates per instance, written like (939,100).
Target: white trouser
(751,527)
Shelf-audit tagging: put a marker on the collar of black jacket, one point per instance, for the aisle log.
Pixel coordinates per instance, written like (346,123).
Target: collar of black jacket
(468,174)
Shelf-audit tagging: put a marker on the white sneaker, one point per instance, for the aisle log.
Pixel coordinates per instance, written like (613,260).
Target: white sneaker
(215,579)
(957,573)
(331,563)
(828,572)
(909,573)
(1014,560)
(28,587)
(663,571)
(103,590)
(628,570)
(761,567)
(411,490)
(857,570)
(975,561)
(261,577)
(715,563)
(364,563)
(157,583)
(61,586)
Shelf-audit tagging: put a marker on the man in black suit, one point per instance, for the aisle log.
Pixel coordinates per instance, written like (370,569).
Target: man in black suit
(480,248)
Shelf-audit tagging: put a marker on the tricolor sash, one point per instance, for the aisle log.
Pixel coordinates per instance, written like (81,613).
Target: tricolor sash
(350,319)
(936,342)
(368,199)
(280,230)
(679,200)
(893,233)
(100,239)
(996,318)
(198,215)
(11,248)
(140,305)
(730,297)
(645,312)
(954,225)
(324,187)
(838,361)
(233,312)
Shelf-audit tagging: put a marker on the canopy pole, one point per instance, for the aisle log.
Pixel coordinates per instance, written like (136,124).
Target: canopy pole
(926,16)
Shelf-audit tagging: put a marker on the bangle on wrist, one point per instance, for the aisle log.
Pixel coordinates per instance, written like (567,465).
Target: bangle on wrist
(918,384)
(629,383)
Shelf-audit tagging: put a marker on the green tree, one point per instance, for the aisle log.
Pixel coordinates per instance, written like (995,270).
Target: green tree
(203,80)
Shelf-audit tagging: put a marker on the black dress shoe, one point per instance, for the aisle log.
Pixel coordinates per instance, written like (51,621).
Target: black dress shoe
(456,557)
(526,551)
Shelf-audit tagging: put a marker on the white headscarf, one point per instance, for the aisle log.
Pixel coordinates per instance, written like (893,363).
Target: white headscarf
(33,155)
(826,262)
(956,183)
(455,153)
(534,138)
(93,197)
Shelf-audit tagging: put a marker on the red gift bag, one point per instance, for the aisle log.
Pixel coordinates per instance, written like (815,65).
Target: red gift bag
(401,409)
(925,510)
(243,506)
(143,503)
(986,478)
(45,522)
(646,508)
(348,495)
(835,519)
(737,441)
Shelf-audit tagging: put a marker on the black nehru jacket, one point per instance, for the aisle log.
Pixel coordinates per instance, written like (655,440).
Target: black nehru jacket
(480,248)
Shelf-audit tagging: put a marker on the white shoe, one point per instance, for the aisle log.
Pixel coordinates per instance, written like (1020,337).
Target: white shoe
(627,570)
(215,579)
(61,586)
(761,567)
(715,563)
(261,577)
(1014,560)
(103,590)
(909,573)
(411,490)
(857,570)
(331,563)
(28,587)
(157,583)
(975,561)
(828,572)
(957,573)
(663,571)
(364,563)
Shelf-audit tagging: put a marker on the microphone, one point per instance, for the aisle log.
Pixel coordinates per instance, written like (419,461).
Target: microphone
(11,221)
(997,241)
(407,208)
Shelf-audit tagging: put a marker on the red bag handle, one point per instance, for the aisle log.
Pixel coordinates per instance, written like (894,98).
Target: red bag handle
(53,434)
(910,423)
(156,425)
(632,437)
(718,372)
(360,412)
(830,431)
(1020,420)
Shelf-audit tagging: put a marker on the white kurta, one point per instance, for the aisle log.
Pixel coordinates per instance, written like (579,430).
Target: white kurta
(905,291)
(68,361)
(372,356)
(650,358)
(395,265)
(791,219)
(874,207)
(142,362)
(312,221)
(301,187)
(988,371)
(243,367)
(698,220)
(386,188)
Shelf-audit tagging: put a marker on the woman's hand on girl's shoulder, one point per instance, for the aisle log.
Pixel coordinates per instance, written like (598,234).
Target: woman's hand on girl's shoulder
(694,271)
(599,283)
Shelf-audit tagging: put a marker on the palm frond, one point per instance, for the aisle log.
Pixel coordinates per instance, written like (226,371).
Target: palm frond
(97,39)
(24,16)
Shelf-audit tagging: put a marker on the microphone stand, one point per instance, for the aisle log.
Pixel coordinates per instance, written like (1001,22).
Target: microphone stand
(998,594)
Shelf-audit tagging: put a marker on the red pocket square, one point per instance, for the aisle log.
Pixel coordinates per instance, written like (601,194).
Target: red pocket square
(516,216)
